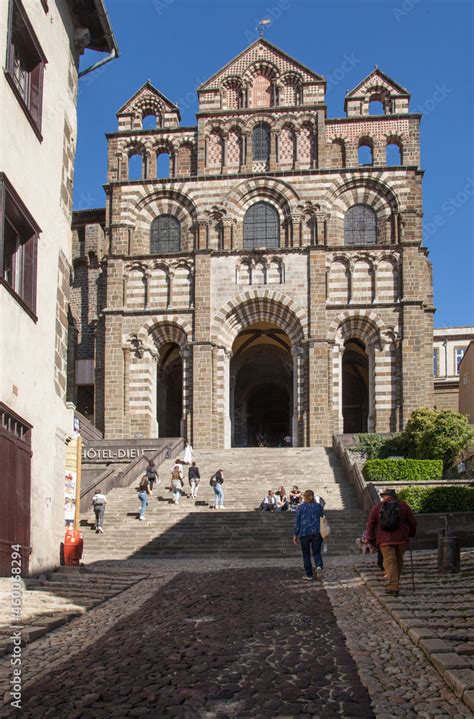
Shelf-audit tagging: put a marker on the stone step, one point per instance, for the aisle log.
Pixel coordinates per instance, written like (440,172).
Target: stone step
(191,529)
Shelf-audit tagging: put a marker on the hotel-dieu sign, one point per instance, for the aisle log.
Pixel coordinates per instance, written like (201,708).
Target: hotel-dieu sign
(94,453)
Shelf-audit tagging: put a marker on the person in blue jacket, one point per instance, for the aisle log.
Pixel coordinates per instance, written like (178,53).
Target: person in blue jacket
(307,533)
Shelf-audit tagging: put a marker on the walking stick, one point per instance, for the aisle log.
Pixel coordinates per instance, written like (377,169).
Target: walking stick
(412,570)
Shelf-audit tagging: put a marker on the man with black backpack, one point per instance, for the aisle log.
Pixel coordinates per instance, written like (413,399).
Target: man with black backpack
(391,524)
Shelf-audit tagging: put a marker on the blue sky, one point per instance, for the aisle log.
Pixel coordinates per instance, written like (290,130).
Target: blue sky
(425,45)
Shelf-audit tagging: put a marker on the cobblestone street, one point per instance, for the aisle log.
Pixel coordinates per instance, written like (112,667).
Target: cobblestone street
(233,639)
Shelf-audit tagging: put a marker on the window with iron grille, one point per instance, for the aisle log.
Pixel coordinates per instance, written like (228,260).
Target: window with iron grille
(25,63)
(261,226)
(261,142)
(18,247)
(360,226)
(165,235)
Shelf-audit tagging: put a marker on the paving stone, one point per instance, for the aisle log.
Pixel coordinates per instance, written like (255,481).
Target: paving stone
(460,681)
(449,660)
(433,646)
(417,633)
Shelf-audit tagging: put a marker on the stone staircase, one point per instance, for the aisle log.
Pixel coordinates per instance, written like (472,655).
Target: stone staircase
(54,598)
(195,529)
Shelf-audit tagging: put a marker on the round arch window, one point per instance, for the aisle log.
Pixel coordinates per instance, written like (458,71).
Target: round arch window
(165,235)
(261,226)
(360,226)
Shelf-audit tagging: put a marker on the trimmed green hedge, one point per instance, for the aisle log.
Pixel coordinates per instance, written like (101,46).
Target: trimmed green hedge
(402,470)
(439,499)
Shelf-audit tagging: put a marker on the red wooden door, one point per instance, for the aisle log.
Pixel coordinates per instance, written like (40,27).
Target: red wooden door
(15,489)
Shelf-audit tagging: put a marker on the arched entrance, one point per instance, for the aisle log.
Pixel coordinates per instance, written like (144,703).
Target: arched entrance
(261,386)
(169,390)
(355,386)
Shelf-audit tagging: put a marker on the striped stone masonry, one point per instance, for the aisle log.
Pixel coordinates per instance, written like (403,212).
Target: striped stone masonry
(353,318)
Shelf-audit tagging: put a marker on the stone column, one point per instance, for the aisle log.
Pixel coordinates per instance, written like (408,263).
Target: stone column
(221,397)
(297,229)
(272,165)
(148,276)
(322,228)
(203,230)
(150,165)
(227,233)
(319,393)
(386,387)
(372,416)
(246,153)
(202,354)
(202,395)
(298,382)
(186,421)
(169,290)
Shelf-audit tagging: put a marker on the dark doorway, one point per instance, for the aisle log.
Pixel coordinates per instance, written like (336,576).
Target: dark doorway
(169,399)
(268,414)
(261,387)
(355,387)
(85,401)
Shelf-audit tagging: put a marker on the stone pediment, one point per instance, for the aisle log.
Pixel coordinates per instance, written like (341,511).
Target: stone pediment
(261,52)
(377,79)
(148,95)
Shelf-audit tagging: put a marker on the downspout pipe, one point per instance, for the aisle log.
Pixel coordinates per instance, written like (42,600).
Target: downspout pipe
(98,64)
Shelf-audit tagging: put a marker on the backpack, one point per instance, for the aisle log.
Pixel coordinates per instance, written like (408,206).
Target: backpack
(389,516)
(175,474)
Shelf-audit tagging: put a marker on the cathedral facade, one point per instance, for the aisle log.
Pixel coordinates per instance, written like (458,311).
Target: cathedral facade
(260,275)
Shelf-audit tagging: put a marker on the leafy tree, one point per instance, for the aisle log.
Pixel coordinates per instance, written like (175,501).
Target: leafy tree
(445,438)
(421,421)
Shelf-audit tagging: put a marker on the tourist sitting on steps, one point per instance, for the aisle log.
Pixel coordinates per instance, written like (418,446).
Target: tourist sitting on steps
(194,478)
(99,501)
(269,503)
(177,483)
(307,533)
(216,483)
(282,499)
(144,492)
(296,498)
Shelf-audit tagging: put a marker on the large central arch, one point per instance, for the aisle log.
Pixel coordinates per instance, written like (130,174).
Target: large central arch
(259,308)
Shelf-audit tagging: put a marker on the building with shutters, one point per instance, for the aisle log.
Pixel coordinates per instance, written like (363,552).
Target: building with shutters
(40,46)
(260,274)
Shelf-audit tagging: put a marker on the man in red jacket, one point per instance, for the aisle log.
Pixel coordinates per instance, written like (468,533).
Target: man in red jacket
(390,525)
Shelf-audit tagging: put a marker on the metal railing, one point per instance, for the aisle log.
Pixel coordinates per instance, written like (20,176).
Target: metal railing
(111,478)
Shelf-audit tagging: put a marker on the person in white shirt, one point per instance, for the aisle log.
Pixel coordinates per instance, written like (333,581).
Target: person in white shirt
(188,454)
(270,502)
(99,501)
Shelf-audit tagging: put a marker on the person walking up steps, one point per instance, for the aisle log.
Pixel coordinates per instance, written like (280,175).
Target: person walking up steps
(99,501)
(188,454)
(216,483)
(193,479)
(152,474)
(144,492)
(390,526)
(307,533)
(177,483)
